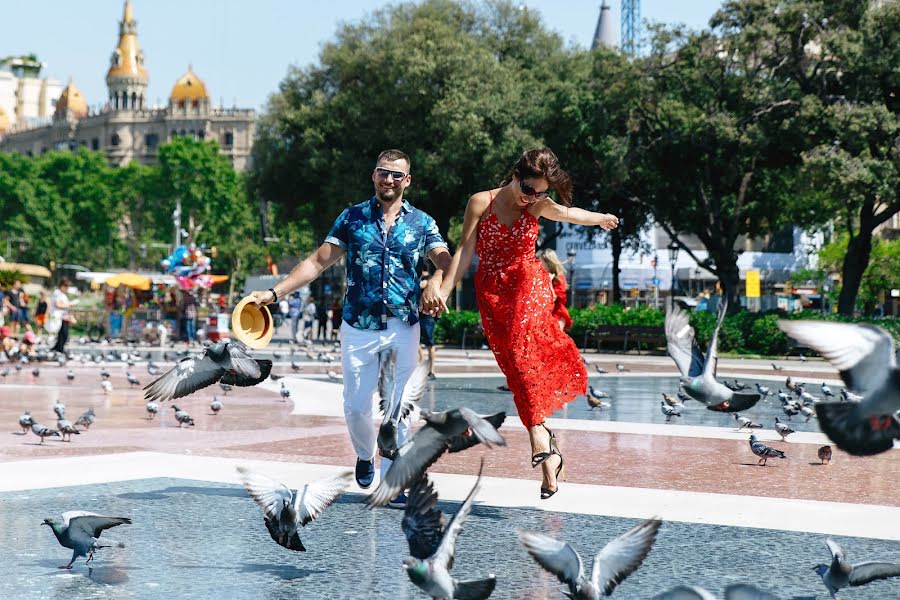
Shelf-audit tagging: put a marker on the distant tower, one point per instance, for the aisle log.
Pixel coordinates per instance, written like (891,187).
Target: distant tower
(604,34)
(127,78)
(631,26)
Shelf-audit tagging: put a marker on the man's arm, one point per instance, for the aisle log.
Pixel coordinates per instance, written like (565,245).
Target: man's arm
(303,274)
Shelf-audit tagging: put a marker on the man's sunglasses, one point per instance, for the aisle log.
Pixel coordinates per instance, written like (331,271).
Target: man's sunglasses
(384,173)
(529,191)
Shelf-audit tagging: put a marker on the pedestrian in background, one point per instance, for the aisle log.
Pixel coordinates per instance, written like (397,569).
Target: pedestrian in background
(40,313)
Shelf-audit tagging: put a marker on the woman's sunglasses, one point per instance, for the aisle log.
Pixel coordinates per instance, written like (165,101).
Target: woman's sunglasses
(529,191)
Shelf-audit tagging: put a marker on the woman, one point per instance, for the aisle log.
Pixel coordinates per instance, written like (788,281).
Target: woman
(555,267)
(543,368)
(59,302)
(40,313)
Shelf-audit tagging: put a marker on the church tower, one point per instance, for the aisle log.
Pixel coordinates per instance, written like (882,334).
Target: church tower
(604,34)
(127,78)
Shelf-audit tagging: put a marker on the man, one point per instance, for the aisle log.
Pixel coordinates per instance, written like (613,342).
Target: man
(309,318)
(295,310)
(59,302)
(17,314)
(383,238)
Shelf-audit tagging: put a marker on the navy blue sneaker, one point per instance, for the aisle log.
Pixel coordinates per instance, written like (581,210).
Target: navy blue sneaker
(398,502)
(365,473)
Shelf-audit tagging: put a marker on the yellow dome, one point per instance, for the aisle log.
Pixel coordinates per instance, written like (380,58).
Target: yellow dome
(189,88)
(4,121)
(72,101)
(127,59)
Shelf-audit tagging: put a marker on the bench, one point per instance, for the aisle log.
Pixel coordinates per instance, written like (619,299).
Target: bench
(650,335)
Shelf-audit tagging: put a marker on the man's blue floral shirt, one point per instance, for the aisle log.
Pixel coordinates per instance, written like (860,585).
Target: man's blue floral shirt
(382,273)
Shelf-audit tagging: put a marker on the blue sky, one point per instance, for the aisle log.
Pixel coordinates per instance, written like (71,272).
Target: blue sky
(240,49)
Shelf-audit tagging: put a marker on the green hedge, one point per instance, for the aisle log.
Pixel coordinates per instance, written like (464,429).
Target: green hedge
(742,333)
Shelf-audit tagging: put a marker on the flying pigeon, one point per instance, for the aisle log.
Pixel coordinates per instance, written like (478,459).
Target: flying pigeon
(745,422)
(617,560)
(698,374)
(432,574)
(763,451)
(86,419)
(182,417)
(824,454)
(394,411)
(25,422)
(80,531)
(152,409)
(285,510)
(226,362)
(669,411)
(864,355)
(782,429)
(441,431)
(42,431)
(215,405)
(840,573)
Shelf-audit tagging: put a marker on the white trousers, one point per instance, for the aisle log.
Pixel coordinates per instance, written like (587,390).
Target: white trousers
(359,358)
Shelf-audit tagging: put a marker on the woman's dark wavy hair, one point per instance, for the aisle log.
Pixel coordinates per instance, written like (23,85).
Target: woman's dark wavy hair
(540,163)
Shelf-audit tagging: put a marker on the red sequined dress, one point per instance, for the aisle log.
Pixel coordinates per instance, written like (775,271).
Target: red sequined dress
(542,365)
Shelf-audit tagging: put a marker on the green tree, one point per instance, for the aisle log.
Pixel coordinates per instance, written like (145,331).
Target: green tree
(458,87)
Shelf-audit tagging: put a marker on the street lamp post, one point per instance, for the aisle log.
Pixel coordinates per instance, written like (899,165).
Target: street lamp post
(673,260)
(571,253)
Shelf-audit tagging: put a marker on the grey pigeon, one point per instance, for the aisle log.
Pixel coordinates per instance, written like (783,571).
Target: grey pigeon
(394,411)
(36,372)
(427,444)
(65,428)
(848,396)
(621,368)
(763,451)
(745,422)
(597,398)
(152,409)
(864,355)
(43,432)
(215,405)
(776,367)
(432,574)
(672,401)
(225,387)
(106,385)
(226,362)
(295,366)
(104,373)
(790,409)
(600,370)
(285,392)
(182,417)
(826,391)
(86,419)
(840,573)
(617,560)
(763,390)
(285,510)
(807,412)
(80,532)
(698,373)
(669,411)
(70,375)
(782,429)
(25,422)
(60,409)
(423,524)
(132,380)
(738,591)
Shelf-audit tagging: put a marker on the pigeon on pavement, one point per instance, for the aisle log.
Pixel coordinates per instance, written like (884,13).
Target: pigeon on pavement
(80,532)
(427,444)
(43,432)
(132,380)
(676,402)
(698,373)
(669,411)
(284,392)
(840,573)
(182,417)
(152,409)
(617,560)
(432,573)
(745,422)
(597,398)
(826,391)
(286,510)
(824,454)
(86,419)
(25,422)
(807,412)
(864,355)
(215,405)
(782,429)
(763,390)
(70,375)
(226,362)
(106,385)
(776,367)
(763,451)
(65,428)
(848,396)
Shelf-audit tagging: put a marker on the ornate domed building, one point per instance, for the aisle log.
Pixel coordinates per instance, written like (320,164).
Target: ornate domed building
(126,128)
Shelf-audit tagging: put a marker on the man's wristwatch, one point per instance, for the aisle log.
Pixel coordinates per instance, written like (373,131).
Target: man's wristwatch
(274,295)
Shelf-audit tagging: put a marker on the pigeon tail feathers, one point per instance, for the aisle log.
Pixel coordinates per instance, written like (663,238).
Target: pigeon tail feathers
(854,433)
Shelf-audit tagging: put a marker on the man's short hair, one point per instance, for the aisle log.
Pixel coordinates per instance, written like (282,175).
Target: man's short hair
(393,154)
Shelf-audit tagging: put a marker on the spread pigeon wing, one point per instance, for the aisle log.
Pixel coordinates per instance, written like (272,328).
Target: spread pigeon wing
(80,522)
(241,362)
(313,498)
(555,556)
(186,377)
(418,453)
(423,524)
(866,572)
(447,548)
(481,428)
(474,589)
(622,556)
(269,494)
(466,440)
(234,378)
(681,345)
(387,365)
(740,401)
(864,354)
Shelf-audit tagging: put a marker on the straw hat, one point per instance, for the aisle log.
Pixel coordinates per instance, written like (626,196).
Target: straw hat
(252,324)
